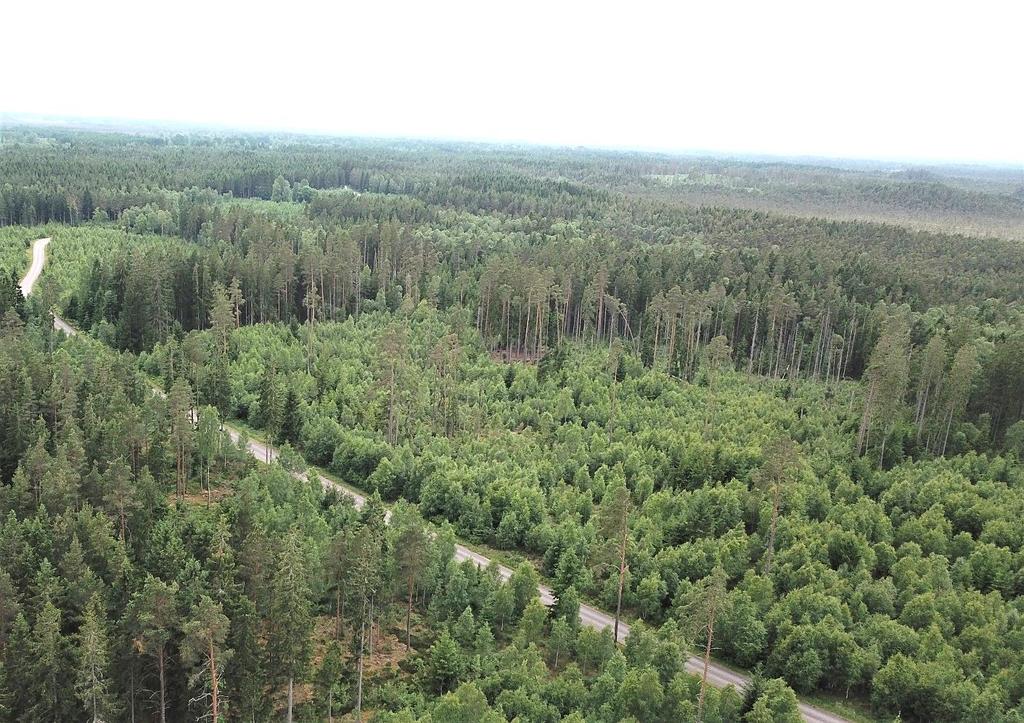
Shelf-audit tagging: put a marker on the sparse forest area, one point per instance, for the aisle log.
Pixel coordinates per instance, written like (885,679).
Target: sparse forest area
(785,435)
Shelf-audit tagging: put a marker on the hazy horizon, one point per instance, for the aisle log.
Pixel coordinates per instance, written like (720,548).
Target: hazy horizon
(131,125)
(913,84)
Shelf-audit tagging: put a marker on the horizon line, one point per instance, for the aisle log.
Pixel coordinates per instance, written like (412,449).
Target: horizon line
(39,119)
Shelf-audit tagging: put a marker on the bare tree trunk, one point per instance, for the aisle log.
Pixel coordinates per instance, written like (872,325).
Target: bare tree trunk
(771,531)
(359,680)
(526,333)
(707,662)
(865,420)
(408,616)
(657,330)
(508,330)
(945,437)
(163,686)
(369,631)
(213,683)
(622,572)
(753,340)
(337,614)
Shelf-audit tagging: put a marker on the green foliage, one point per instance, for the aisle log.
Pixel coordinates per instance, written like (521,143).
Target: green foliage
(769,700)
(444,663)
(93,684)
(794,440)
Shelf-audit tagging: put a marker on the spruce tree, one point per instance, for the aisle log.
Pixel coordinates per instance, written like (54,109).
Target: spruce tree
(332,694)
(93,682)
(291,621)
(50,676)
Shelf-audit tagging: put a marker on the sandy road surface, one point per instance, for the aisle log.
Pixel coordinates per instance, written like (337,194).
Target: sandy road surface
(38,259)
(718,675)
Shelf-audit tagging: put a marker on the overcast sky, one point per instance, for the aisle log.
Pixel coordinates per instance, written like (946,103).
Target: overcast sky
(890,80)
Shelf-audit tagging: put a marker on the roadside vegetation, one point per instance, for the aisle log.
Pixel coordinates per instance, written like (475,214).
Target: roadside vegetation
(792,443)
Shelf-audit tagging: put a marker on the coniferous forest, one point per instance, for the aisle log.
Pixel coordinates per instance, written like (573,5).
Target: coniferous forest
(758,414)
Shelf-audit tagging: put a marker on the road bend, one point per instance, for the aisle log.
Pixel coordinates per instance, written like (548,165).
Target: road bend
(718,675)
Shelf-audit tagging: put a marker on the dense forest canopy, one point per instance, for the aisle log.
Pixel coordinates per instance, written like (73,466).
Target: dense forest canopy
(48,171)
(786,433)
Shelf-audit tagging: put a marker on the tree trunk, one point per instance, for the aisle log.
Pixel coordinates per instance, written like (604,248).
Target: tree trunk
(657,330)
(291,697)
(753,340)
(945,437)
(771,531)
(369,630)
(672,342)
(707,662)
(163,686)
(622,573)
(131,693)
(526,333)
(359,680)
(337,614)
(213,684)
(408,616)
(865,421)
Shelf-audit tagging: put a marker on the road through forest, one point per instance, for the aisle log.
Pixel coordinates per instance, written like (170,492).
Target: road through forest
(718,675)
(36,267)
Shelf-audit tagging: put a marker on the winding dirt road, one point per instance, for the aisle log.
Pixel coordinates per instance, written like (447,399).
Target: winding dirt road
(718,675)
(36,268)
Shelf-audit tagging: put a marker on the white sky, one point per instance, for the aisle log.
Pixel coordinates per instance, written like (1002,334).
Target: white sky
(856,78)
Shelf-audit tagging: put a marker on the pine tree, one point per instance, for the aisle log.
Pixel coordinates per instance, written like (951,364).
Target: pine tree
(612,523)
(366,583)
(120,494)
(708,601)
(777,472)
(208,441)
(886,379)
(156,616)
(933,365)
(179,402)
(222,318)
(410,554)
(202,647)
(237,300)
(962,373)
(88,206)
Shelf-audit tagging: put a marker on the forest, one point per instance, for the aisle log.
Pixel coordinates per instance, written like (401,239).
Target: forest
(781,439)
